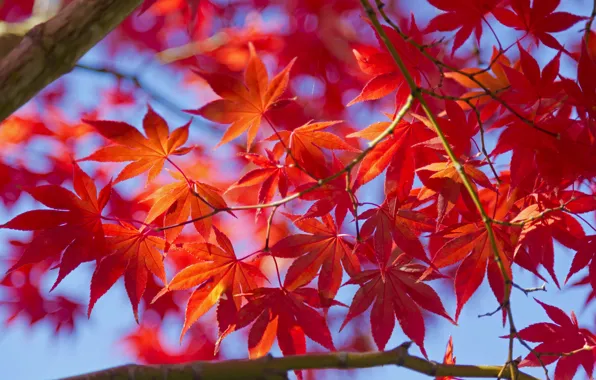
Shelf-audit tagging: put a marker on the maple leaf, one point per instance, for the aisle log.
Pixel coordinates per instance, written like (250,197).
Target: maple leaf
(217,272)
(583,93)
(397,223)
(324,250)
(448,359)
(147,153)
(446,182)
(134,254)
(562,340)
(289,315)
(554,161)
(529,86)
(305,143)
(394,154)
(539,20)
(541,227)
(457,127)
(146,344)
(184,198)
(470,245)
(396,293)
(244,105)
(271,175)
(495,83)
(465,15)
(73,224)
(164,306)
(23,297)
(331,195)
(585,257)
(387,76)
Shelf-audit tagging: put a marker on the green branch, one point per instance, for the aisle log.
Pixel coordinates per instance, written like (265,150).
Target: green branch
(486,219)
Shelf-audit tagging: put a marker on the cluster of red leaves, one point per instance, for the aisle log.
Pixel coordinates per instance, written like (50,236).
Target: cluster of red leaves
(335,229)
(562,341)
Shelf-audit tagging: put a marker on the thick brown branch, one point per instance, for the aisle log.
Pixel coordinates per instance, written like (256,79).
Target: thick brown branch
(51,49)
(276,368)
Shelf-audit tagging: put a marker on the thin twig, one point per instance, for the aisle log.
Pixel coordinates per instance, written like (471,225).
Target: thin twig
(371,145)
(527,291)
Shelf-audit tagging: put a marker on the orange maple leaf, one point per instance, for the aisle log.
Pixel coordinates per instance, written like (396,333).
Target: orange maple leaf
(217,271)
(494,83)
(148,153)
(447,183)
(306,143)
(448,359)
(243,105)
(182,198)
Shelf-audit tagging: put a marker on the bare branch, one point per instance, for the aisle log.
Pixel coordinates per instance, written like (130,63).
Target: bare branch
(51,49)
(277,368)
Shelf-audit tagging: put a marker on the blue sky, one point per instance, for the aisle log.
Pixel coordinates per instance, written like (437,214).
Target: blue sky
(35,353)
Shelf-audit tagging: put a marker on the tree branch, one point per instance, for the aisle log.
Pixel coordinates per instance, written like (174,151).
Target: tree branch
(51,49)
(269,367)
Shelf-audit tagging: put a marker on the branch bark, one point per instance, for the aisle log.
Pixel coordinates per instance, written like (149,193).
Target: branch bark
(51,49)
(271,368)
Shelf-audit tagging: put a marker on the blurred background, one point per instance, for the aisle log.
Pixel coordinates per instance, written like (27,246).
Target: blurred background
(149,60)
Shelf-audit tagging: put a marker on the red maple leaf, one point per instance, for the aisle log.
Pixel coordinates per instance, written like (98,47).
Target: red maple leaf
(457,127)
(470,245)
(539,20)
(562,340)
(134,254)
(465,15)
(217,271)
(244,105)
(387,76)
(397,223)
(73,225)
(396,154)
(271,175)
(583,93)
(325,250)
(555,160)
(146,344)
(147,153)
(331,195)
(289,315)
(585,257)
(23,298)
(529,86)
(396,293)
(541,227)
